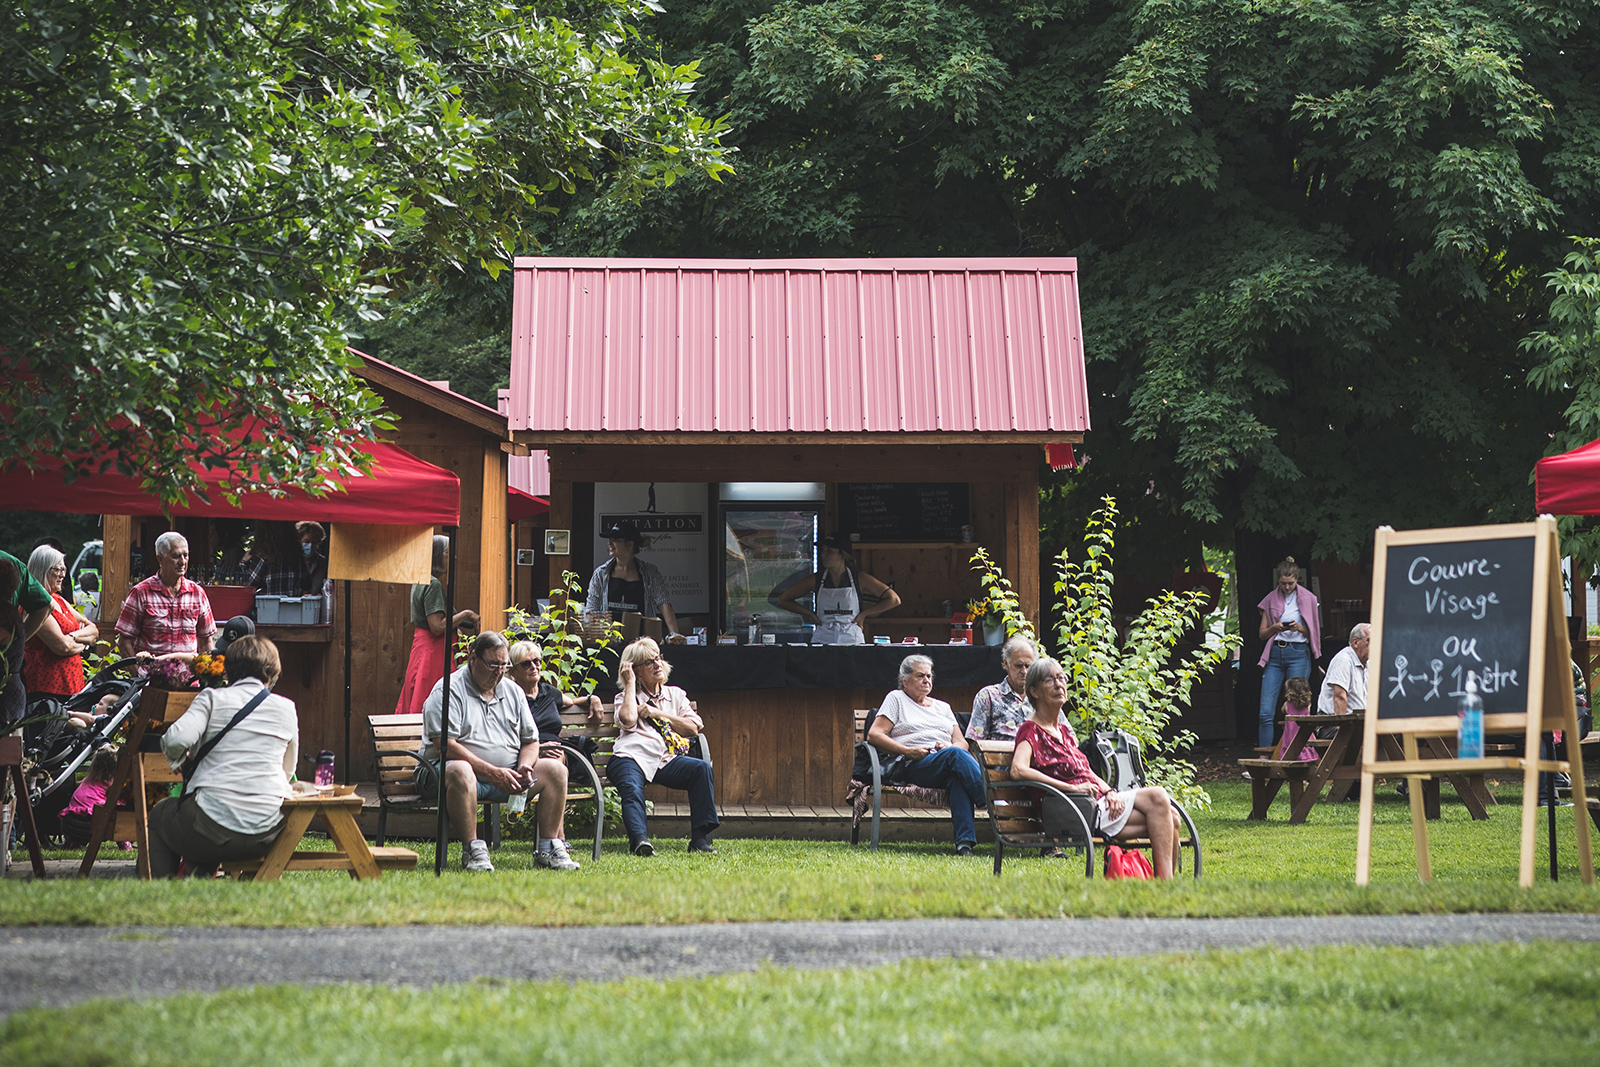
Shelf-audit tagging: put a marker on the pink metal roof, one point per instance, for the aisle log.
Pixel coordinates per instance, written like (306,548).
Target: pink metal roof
(798,346)
(531,473)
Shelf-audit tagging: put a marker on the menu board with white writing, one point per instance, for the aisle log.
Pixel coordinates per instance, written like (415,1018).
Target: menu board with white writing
(1451,610)
(904,511)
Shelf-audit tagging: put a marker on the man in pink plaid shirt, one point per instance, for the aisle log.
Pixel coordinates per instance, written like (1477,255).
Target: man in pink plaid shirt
(166,612)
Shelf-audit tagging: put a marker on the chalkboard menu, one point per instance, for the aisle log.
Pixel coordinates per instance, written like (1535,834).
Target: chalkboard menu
(903,511)
(1449,609)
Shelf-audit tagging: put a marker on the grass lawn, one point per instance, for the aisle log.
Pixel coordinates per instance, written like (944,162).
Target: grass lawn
(1460,1004)
(1268,868)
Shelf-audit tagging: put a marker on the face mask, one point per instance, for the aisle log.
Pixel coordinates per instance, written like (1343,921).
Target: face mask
(307,550)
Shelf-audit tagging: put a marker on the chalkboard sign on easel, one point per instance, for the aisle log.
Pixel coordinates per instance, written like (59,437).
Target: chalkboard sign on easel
(904,511)
(1483,601)
(1453,608)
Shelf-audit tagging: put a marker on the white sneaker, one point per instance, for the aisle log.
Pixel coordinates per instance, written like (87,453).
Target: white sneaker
(475,856)
(555,857)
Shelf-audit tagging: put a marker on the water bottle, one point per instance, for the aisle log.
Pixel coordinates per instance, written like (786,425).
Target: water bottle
(324,774)
(1469,735)
(755,629)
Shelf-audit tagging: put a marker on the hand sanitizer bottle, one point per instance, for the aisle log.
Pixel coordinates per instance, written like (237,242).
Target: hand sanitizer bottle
(1469,736)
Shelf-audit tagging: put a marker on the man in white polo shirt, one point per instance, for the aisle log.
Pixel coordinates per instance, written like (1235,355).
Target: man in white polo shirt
(1344,688)
(493,749)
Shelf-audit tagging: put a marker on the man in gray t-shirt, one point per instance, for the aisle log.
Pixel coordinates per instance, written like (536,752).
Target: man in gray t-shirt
(494,742)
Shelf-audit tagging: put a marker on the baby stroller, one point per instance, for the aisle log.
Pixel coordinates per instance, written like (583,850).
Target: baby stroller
(57,752)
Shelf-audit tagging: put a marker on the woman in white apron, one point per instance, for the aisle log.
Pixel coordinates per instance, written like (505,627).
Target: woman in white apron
(838,587)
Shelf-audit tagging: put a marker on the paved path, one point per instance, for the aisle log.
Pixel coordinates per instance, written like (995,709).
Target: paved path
(61,966)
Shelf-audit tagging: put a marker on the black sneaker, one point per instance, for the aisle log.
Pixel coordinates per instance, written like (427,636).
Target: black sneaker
(963,850)
(643,848)
(702,844)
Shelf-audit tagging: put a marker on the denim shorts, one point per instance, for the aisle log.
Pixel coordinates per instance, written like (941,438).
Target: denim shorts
(427,783)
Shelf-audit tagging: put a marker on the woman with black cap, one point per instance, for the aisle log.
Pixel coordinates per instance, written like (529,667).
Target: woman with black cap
(838,587)
(627,583)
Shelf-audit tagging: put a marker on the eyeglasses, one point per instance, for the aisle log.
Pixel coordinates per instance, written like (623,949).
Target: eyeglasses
(498,668)
(653,662)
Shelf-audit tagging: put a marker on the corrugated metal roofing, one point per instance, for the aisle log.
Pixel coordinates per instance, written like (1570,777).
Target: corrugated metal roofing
(531,473)
(797,346)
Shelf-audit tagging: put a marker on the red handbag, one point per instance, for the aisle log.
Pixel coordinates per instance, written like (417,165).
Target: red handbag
(1127,863)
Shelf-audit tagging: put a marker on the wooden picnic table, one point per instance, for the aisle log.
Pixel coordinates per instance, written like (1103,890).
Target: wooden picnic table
(1339,767)
(337,807)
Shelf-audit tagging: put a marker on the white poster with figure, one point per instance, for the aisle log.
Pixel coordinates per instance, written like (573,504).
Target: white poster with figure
(672,517)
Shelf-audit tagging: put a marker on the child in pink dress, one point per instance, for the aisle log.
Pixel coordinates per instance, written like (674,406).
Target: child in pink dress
(77,817)
(1297,701)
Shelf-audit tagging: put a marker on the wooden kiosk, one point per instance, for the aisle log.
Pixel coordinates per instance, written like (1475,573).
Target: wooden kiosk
(831,372)
(1484,600)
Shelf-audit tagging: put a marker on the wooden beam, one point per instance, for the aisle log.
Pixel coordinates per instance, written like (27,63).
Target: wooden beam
(116,532)
(1024,568)
(494,533)
(801,463)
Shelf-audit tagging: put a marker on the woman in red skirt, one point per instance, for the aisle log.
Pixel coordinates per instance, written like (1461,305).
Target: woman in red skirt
(426,665)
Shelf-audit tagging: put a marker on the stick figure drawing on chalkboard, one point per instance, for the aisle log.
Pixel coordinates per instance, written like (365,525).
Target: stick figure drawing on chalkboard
(1438,676)
(1399,678)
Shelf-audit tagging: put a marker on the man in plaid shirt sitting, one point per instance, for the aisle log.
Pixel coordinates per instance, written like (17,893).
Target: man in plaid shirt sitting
(166,612)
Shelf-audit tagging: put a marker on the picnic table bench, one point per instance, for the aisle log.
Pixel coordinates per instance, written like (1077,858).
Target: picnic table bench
(337,807)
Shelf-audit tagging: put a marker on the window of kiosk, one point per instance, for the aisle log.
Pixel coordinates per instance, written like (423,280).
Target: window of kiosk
(766,549)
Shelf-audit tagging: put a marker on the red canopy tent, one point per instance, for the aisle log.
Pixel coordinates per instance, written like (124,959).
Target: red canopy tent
(1569,484)
(401,489)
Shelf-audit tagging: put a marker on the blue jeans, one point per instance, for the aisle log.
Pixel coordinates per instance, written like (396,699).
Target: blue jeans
(953,769)
(680,772)
(1283,662)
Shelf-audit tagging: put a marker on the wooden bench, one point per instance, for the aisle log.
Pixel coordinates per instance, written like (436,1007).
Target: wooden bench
(1014,811)
(864,718)
(397,744)
(337,807)
(1269,773)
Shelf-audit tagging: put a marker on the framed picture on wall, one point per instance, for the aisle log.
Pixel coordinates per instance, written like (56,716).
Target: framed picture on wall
(558,542)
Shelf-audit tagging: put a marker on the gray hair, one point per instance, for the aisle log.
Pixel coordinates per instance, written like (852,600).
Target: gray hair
(487,640)
(441,549)
(521,650)
(909,665)
(1359,631)
(1041,669)
(166,542)
(1018,641)
(44,557)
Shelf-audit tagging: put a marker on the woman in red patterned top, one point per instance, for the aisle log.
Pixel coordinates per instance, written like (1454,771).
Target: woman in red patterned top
(1047,751)
(53,659)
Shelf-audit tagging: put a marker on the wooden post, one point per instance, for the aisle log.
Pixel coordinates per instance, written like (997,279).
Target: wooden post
(560,519)
(116,533)
(492,539)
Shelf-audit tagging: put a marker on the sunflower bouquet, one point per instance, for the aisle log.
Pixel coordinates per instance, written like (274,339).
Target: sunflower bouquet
(208,670)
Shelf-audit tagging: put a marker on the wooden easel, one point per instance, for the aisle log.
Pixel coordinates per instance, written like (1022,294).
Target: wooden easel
(157,710)
(1547,694)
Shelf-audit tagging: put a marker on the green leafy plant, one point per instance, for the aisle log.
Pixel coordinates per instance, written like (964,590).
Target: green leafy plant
(1136,681)
(574,651)
(999,601)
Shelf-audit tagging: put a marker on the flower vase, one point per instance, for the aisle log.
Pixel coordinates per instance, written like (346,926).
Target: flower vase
(994,634)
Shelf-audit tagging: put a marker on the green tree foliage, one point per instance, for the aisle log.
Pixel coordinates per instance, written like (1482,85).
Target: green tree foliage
(1568,365)
(199,198)
(1311,234)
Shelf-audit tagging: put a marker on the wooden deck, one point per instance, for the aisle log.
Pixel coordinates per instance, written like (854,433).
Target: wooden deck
(778,822)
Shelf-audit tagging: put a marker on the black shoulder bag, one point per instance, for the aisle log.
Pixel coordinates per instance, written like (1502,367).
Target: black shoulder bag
(192,764)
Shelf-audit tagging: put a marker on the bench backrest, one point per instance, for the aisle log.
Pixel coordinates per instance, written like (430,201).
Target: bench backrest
(392,737)
(1013,808)
(864,720)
